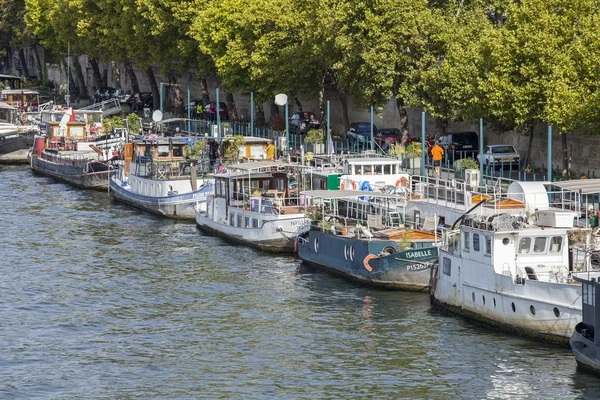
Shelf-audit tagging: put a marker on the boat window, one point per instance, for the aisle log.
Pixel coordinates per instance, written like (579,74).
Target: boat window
(280,184)
(266,186)
(584,293)
(247,222)
(488,245)
(555,244)
(255,222)
(539,245)
(231,219)
(524,245)
(377,169)
(163,151)
(387,169)
(476,242)
(239,220)
(467,239)
(447,267)
(178,151)
(367,169)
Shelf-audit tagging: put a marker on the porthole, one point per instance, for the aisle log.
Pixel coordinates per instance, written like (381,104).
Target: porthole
(346,251)
(351,253)
(483,298)
(556,312)
(494,302)
(316,245)
(473,297)
(513,307)
(505,241)
(532,309)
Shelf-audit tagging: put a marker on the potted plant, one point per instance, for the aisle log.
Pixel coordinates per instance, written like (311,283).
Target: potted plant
(464,164)
(314,137)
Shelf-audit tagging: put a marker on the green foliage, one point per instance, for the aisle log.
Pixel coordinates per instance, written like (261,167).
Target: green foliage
(314,136)
(114,122)
(197,151)
(465,163)
(133,123)
(232,147)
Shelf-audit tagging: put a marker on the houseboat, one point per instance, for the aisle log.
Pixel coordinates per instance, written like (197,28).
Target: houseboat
(159,177)
(254,204)
(583,341)
(78,152)
(366,247)
(514,268)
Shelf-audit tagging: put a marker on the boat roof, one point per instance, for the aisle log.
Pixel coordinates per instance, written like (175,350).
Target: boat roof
(19,91)
(4,106)
(583,186)
(165,140)
(343,194)
(258,165)
(373,160)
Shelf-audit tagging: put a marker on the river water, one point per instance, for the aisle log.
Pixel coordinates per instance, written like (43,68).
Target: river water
(103,301)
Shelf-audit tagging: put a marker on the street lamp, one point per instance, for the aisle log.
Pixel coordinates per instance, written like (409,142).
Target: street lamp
(282,100)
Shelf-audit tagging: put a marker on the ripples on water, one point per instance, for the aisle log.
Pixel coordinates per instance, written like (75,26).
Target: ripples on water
(102,301)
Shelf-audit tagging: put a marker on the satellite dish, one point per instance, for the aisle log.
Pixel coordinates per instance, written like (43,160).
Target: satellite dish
(157,116)
(281,99)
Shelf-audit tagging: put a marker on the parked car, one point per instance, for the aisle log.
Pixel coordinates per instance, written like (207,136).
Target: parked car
(460,145)
(124,95)
(498,155)
(302,122)
(360,132)
(390,136)
(210,111)
(105,93)
(141,101)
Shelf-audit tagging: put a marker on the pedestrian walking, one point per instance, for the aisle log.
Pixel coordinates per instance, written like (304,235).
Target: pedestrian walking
(199,111)
(437,152)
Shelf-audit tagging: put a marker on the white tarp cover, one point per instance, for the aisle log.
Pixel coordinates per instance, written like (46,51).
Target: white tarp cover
(533,194)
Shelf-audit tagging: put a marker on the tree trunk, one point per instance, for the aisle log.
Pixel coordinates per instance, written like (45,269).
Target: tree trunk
(344,101)
(153,88)
(177,105)
(135,86)
(565,150)
(403,119)
(96,73)
(24,67)
(204,91)
(322,110)
(117,74)
(79,78)
(527,162)
(298,104)
(274,110)
(38,62)
(440,127)
(233,114)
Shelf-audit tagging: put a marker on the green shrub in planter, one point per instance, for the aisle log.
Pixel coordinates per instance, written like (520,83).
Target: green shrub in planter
(465,163)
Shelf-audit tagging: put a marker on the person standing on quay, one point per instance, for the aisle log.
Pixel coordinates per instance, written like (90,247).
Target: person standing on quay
(437,152)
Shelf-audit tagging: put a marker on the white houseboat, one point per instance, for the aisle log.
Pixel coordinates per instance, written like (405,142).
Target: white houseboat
(159,178)
(514,267)
(254,204)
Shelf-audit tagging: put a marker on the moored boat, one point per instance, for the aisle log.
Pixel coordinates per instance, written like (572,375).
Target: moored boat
(254,204)
(514,268)
(375,251)
(158,177)
(583,341)
(76,151)
(14,143)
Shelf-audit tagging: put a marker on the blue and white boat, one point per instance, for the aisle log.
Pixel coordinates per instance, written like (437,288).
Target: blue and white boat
(157,177)
(348,239)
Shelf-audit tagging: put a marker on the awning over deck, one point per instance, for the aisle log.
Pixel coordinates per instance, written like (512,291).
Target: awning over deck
(583,186)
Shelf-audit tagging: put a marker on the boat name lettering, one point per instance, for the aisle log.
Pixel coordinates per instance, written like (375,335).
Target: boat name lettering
(422,253)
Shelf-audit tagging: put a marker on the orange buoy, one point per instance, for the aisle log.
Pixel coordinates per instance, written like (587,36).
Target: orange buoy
(366,261)
(402,182)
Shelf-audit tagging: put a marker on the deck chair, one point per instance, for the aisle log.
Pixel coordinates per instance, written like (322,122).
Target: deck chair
(430,224)
(374,222)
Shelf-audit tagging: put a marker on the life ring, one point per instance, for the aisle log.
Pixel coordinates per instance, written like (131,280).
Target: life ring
(24,118)
(402,182)
(351,184)
(366,261)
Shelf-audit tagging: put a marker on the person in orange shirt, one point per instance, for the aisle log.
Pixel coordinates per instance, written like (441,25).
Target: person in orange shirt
(437,152)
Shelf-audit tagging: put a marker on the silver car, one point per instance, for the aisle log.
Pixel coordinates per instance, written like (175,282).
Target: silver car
(498,155)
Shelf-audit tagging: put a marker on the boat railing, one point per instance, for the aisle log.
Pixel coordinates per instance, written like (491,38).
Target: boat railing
(169,170)
(269,202)
(72,158)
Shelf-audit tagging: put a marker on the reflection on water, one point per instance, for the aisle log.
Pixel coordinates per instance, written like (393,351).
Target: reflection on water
(103,301)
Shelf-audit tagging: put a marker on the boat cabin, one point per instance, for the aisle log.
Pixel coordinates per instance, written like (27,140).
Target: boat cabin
(24,100)
(372,173)
(82,125)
